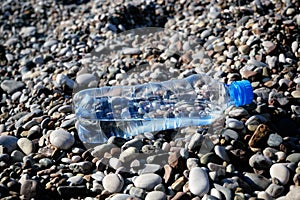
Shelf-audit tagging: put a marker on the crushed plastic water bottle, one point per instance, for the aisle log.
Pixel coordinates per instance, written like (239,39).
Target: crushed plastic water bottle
(126,111)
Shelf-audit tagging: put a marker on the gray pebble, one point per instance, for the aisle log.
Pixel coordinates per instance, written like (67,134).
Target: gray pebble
(274,140)
(113,183)
(26,145)
(156,195)
(29,189)
(280,172)
(75,180)
(11,86)
(82,167)
(9,142)
(62,139)
(198,188)
(84,79)
(256,181)
(147,181)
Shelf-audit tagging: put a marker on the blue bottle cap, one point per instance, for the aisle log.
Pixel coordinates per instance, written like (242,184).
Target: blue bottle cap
(241,92)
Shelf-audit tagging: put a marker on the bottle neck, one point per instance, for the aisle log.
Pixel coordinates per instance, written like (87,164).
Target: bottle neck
(241,93)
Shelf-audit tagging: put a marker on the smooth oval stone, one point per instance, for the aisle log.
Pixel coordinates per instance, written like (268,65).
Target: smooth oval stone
(274,140)
(11,86)
(221,152)
(294,157)
(198,187)
(238,112)
(156,195)
(113,183)
(234,123)
(84,79)
(147,181)
(29,189)
(195,141)
(62,139)
(259,161)
(26,145)
(9,142)
(280,172)
(230,133)
(256,181)
(75,180)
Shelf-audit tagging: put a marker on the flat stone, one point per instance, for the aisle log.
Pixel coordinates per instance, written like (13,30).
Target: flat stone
(259,138)
(231,134)
(137,192)
(84,79)
(62,139)
(75,180)
(147,181)
(17,156)
(113,183)
(280,172)
(129,155)
(11,86)
(275,190)
(195,142)
(256,181)
(234,124)
(238,112)
(9,142)
(260,162)
(198,187)
(131,51)
(122,197)
(99,150)
(294,158)
(29,189)
(28,31)
(269,46)
(81,167)
(210,157)
(274,140)
(156,195)
(221,152)
(26,145)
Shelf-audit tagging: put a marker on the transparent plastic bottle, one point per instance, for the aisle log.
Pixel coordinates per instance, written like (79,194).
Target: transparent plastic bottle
(126,111)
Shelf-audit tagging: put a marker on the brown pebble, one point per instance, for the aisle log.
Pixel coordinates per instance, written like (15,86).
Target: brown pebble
(168,175)
(258,139)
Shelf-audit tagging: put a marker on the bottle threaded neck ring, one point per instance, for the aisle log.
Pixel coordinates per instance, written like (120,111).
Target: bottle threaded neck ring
(241,92)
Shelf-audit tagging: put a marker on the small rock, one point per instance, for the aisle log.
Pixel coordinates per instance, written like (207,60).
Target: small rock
(113,183)
(29,189)
(147,181)
(26,145)
(280,172)
(221,152)
(196,187)
(274,140)
(11,86)
(256,181)
(260,162)
(82,167)
(294,158)
(129,155)
(259,138)
(156,195)
(8,142)
(62,139)
(195,142)
(275,190)
(75,180)
(84,79)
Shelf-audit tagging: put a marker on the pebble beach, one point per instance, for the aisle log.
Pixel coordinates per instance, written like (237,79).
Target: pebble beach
(49,50)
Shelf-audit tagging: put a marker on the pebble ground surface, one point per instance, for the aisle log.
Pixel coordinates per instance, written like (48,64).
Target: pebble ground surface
(47,49)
